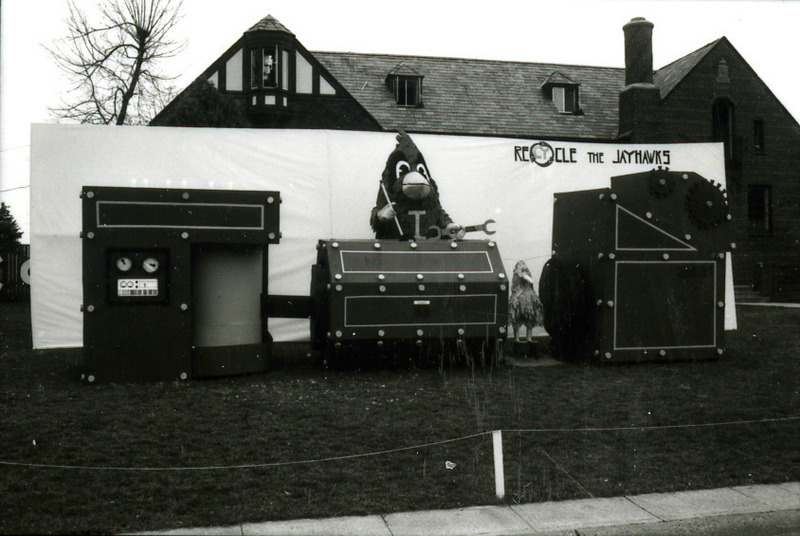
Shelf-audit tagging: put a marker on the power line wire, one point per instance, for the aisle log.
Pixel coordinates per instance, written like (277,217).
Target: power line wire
(14,148)
(14,188)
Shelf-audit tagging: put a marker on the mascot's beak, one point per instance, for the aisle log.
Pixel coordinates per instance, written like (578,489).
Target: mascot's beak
(527,277)
(416,186)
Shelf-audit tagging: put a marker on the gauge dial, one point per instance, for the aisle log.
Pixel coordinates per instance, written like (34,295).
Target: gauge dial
(124,264)
(150,265)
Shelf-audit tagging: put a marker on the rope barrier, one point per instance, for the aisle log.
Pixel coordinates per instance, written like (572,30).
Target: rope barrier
(250,465)
(645,428)
(394,450)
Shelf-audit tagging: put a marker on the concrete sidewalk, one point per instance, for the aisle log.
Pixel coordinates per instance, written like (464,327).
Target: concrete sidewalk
(676,513)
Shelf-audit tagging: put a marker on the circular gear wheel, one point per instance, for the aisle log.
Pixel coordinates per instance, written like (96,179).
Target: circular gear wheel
(706,204)
(662,182)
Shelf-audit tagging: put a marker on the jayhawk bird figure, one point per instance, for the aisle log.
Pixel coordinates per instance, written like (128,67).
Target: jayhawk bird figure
(524,306)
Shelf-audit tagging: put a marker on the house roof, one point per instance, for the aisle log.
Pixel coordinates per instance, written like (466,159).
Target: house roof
(270,24)
(401,69)
(556,78)
(481,97)
(489,97)
(670,75)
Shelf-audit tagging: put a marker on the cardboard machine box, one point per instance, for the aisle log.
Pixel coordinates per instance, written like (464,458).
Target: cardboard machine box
(638,270)
(383,292)
(173,282)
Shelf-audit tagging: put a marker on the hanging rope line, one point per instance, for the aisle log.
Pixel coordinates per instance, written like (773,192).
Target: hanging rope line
(249,465)
(394,450)
(645,428)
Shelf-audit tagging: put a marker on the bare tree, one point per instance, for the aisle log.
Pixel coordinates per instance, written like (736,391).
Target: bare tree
(112,63)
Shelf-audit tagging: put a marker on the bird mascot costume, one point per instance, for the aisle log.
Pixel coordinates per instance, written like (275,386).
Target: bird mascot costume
(408,206)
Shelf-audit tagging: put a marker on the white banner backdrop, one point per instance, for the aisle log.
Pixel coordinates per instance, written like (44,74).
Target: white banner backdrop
(328,182)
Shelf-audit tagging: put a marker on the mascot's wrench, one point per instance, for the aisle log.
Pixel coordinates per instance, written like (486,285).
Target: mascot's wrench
(482,227)
(468,229)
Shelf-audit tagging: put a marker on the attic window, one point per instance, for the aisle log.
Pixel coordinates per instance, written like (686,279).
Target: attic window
(566,99)
(406,85)
(563,92)
(264,67)
(407,90)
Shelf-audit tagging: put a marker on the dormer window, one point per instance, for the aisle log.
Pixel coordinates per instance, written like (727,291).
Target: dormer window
(563,92)
(406,85)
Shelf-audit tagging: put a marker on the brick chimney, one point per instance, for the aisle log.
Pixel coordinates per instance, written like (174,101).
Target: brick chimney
(638,51)
(639,102)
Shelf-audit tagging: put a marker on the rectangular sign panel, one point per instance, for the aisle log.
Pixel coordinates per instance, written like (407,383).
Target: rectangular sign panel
(145,215)
(665,305)
(365,311)
(437,262)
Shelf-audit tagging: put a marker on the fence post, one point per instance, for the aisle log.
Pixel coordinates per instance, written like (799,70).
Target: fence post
(499,477)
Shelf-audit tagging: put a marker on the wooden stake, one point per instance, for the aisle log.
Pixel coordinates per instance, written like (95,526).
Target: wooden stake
(499,476)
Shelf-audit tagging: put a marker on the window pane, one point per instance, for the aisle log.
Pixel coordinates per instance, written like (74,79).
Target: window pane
(412,97)
(759,208)
(758,135)
(407,90)
(402,87)
(570,99)
(285,69)
(558,98)
(722,114)
(254,69)
(270,67)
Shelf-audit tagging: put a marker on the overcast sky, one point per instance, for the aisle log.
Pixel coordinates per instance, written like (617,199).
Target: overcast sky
(766,33)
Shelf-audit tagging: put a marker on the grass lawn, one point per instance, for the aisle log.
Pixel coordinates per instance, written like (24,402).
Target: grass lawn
(295,413)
